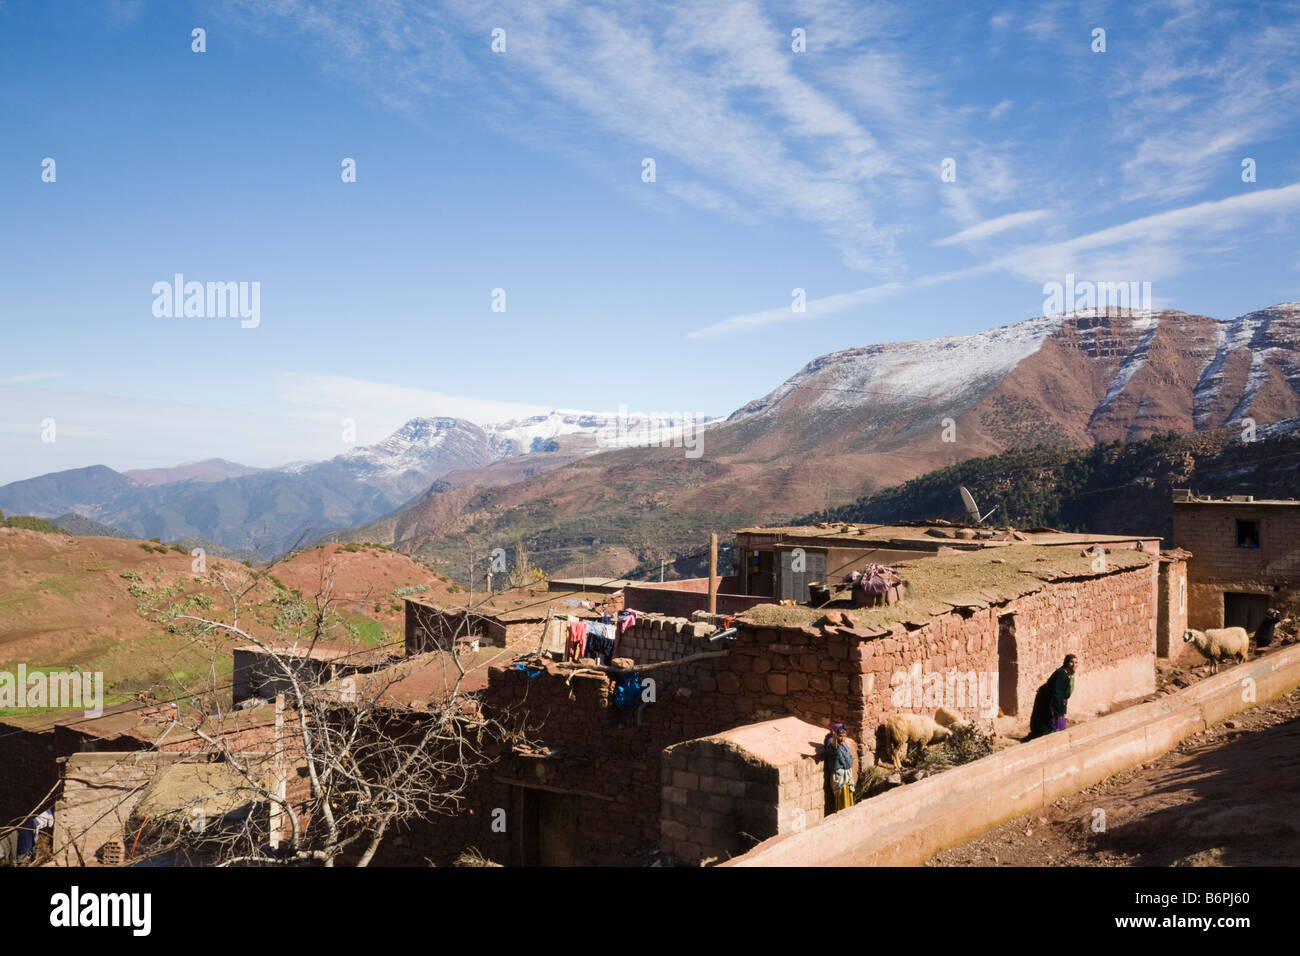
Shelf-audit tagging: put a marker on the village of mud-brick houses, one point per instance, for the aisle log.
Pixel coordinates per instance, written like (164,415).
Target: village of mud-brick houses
(738,677)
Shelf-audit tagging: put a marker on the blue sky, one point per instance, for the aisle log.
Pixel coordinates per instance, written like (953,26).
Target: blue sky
(522,170)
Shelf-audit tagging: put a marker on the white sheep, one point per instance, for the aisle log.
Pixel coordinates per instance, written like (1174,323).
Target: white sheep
(1220,643)
(950,718)
(900,730)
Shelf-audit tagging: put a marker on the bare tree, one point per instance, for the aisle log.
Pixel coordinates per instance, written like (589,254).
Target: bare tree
(330,769)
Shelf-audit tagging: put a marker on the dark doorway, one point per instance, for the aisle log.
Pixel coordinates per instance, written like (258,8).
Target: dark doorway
(552,828)
(1244,610)
(1008,665)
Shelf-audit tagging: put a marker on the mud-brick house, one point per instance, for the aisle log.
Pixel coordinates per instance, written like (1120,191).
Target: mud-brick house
(516,619)
(780,563)
(1246,556)
(263,671)
(978,630)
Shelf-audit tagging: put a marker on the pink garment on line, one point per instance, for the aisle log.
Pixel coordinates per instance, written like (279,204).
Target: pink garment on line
(577,638)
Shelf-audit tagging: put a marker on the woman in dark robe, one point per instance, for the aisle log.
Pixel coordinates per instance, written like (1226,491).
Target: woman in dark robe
(1050,701)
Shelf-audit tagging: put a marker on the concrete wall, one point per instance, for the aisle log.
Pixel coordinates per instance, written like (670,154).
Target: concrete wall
(905,826)
(259,674)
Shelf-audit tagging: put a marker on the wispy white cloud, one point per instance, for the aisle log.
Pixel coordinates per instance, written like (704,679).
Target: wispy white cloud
(992,227)
(384,407)
(814,309)
(753,130)
(1144,249)
(30,377)
(1212,84)
(1161,245)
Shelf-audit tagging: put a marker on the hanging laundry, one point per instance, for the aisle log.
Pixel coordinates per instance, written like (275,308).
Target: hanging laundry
(601,648)
(600,641)
(625,620)
(628,699)
(577,639)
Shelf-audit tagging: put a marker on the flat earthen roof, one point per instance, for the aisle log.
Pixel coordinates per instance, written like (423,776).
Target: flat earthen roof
(524,605)
(776,742)
(973,579)
(929,535)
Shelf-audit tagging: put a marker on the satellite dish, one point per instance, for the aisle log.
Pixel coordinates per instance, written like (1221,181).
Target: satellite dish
(972,509)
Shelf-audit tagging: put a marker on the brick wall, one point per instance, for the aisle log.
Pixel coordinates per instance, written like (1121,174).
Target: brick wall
(658,638)
(30,762)
(683,598)
(1209,531)
(720,796)
(1171,617)
(1109,622)
(611,774)
(954,648)
(819,674)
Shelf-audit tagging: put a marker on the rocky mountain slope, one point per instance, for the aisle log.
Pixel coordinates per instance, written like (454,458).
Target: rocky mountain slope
(857,421)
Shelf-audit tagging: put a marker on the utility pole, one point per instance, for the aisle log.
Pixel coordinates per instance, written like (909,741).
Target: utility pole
(713,572)
(661,570)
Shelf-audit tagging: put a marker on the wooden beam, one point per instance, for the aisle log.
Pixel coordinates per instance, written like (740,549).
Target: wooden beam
(532,785)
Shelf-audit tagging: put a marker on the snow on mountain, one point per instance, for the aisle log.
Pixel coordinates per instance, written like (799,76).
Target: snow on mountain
(1250,331)
(909,372)
(421,445)
(1149,325)
(610,429)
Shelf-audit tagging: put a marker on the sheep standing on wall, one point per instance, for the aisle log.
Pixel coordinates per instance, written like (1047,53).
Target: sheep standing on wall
(1219,644)
(900,730)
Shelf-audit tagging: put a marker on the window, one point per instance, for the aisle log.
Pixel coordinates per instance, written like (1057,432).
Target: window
(1247,534)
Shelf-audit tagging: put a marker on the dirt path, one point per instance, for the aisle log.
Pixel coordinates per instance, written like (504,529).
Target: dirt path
(1224,797)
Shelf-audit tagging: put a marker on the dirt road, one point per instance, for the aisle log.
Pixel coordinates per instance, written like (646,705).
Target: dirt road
(1229,796)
